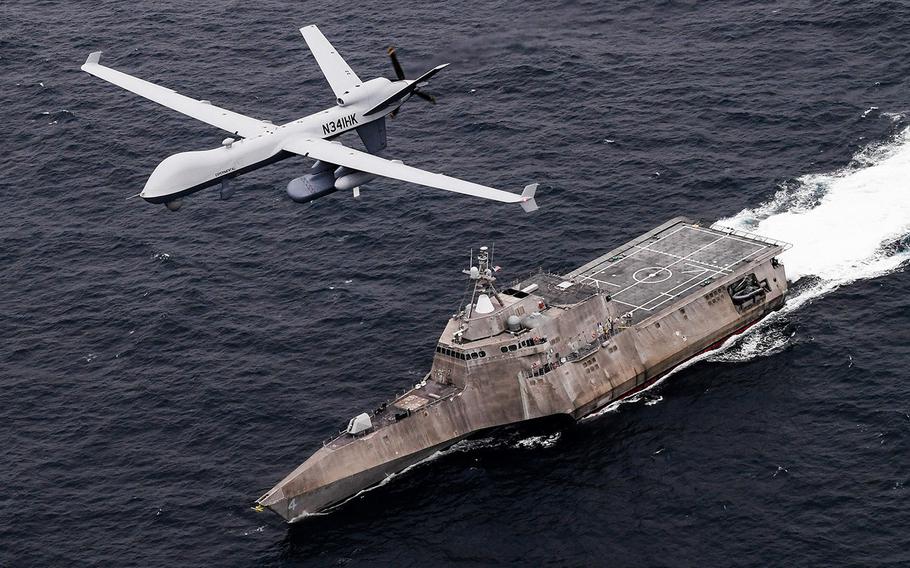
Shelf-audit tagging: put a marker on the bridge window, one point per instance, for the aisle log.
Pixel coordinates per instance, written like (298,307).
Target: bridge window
(462,355)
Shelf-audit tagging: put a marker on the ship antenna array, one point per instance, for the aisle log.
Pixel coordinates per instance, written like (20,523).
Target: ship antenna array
(482,276)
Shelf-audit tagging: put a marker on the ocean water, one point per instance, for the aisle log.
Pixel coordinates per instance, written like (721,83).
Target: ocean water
(159,370)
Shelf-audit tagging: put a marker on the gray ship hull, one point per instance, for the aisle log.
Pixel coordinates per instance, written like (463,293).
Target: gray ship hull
(333,494)
(554,345)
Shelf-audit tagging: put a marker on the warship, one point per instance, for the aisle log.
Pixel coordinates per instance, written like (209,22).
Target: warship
(550,345)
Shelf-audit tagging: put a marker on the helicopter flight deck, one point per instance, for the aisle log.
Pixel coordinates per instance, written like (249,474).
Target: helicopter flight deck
(668,263)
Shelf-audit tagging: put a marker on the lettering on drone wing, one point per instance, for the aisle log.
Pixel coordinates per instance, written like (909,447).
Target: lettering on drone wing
(222,172)
(339,125)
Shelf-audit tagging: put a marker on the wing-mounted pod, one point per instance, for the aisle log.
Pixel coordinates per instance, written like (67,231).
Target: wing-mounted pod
(318,183)
(347,179)
(325,178)
(336,153)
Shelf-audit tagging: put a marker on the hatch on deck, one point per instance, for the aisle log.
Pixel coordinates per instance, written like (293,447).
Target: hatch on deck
(411,402)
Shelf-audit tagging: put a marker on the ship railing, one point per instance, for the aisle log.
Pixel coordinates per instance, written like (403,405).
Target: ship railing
(539,271)
(752,236)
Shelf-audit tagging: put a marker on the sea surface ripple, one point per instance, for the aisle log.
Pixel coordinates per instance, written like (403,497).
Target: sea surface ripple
(159,371)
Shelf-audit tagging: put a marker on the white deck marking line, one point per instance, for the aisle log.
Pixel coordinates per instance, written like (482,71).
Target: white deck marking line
(669,298)
(601,281)
(598,269)
(631,306)
(673,296)
(676,294)
(650,276)
(602,267)
(707,265)
(657,305)
(712,233)
(694,270)
(676,262)
(625,256)
(605,268)
(728,235)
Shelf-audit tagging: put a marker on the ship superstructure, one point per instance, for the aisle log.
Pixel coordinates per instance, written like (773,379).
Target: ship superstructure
(552,344)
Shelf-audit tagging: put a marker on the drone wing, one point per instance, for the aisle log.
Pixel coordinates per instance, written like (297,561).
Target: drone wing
(336,70)
(233,122)
(335,153)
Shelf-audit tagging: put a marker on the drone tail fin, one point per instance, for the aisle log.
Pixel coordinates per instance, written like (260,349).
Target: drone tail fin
(528,203)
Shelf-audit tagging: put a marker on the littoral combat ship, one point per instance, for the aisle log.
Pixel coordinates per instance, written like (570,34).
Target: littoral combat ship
(550,345)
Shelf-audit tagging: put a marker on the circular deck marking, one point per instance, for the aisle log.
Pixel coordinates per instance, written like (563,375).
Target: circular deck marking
(652,275)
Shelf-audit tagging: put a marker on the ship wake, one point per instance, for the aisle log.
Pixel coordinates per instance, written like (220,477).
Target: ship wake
(849,225)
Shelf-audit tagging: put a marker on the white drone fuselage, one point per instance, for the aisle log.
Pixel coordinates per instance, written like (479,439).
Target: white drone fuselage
(189,172)
(361,106)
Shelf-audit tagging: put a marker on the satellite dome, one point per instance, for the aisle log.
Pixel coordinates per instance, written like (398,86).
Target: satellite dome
(484,305)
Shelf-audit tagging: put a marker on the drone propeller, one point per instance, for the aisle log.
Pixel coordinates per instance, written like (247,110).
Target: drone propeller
(399,72)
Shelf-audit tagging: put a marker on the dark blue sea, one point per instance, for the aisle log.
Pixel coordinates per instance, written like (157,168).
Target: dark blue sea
(159,371)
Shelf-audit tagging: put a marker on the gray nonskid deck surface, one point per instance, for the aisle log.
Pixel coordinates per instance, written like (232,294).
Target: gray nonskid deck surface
(676,261)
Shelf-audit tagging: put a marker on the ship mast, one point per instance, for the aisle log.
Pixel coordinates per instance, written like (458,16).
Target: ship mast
(482,276)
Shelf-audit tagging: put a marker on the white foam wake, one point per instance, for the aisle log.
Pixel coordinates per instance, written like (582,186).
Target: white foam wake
(845,226)
(840,223)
